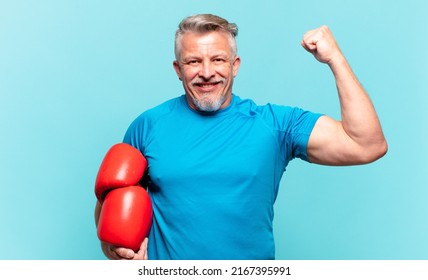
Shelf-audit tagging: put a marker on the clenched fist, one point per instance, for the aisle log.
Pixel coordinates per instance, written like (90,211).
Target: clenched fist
(321,43)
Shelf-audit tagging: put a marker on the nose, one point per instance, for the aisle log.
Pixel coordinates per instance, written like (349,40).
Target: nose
(207,70)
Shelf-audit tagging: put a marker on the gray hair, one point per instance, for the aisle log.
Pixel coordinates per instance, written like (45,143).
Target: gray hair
(203,23)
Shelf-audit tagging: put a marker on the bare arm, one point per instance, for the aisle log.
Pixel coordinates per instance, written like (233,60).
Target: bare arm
(358,137)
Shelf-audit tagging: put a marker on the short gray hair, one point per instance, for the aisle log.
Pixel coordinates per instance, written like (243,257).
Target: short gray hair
(203,23)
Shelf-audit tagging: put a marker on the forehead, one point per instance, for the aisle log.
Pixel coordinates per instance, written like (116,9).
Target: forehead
(210,41)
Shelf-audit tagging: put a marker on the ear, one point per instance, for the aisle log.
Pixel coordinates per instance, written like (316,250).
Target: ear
(236,65)
(177,69)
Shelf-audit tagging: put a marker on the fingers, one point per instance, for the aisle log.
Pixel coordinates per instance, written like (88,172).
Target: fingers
(310,40)
(118,253)
(124,253)
(142,253)
(306,46)
(144,248)
(312,37)
(321,43)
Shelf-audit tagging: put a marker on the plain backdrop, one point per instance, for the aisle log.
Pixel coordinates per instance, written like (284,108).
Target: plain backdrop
(75,73)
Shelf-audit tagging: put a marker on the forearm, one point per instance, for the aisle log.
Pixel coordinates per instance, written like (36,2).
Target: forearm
(359,118)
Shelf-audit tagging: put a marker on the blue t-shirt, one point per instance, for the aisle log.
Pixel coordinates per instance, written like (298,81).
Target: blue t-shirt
(214,177)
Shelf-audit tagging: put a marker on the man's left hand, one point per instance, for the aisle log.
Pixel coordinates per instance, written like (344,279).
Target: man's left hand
(321,43)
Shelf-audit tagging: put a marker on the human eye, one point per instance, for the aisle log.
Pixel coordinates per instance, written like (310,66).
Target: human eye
(192,62)
(219,60)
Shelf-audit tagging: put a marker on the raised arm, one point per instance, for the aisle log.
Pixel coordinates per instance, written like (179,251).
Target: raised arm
(357,138)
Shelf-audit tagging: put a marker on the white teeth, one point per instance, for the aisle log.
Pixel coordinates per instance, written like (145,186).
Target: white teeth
(206,85)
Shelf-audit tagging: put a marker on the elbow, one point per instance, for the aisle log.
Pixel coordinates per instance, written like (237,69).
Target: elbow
(374,152)
(384,149)
(381,150)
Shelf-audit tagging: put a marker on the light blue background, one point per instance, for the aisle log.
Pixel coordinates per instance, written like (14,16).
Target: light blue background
(74,74)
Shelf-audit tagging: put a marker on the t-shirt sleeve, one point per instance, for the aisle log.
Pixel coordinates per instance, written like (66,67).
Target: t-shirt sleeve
(135,133)
(302,125)
(292,127)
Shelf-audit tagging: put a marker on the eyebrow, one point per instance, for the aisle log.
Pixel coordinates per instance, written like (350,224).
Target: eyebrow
(220,54)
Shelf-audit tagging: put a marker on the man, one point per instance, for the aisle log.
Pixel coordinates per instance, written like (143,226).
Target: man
(216,160)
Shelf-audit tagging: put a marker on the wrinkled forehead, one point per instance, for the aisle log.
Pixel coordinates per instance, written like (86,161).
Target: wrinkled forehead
(205,41)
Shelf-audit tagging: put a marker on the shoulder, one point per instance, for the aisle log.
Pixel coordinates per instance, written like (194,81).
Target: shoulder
(143,123)
(162,109)
(154,114)
(273,114)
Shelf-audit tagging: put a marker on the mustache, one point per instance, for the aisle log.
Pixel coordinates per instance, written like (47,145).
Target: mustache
(200,80)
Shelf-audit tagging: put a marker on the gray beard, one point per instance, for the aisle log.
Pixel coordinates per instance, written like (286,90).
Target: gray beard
(209,105)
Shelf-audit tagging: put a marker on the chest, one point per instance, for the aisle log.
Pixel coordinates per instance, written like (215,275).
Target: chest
(215,151)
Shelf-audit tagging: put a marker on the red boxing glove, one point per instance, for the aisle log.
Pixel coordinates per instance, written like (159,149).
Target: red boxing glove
(126,210)
(123,166)
(125,217)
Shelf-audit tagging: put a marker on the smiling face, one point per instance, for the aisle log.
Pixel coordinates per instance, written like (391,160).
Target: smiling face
(207,66)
